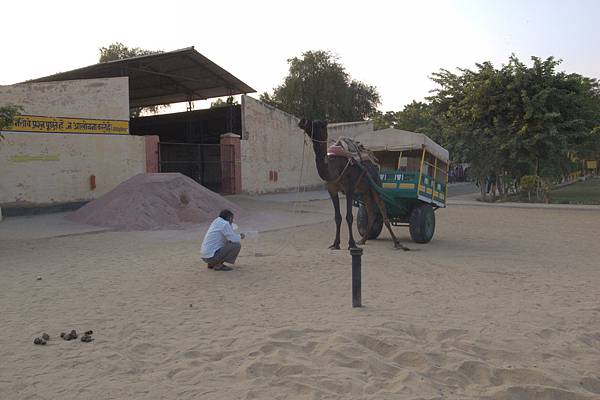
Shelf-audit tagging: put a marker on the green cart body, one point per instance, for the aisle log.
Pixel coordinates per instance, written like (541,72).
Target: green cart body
(413,182)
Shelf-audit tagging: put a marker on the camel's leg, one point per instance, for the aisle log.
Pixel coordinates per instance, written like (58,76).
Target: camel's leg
(349,220)
(335,199)
(369,204)
(386,221)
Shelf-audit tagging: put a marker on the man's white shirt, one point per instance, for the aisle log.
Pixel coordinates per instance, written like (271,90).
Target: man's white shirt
(219,233)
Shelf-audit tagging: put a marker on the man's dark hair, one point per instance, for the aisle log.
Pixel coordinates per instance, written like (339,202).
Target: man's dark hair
(226,215)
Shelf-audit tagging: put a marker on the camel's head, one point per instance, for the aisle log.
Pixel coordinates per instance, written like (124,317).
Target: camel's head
(316,130)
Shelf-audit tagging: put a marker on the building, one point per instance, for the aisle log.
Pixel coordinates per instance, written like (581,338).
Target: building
(76,140)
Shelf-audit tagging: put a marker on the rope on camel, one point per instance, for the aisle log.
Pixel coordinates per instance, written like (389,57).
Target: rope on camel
(298,187)
(288,238)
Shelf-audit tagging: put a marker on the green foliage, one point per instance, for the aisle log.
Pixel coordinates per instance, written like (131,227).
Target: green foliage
(318,87)
(118,51)
(224,103)
(8,113)
(511,121)
(415,117)
(529,183)
(384,120)
(517,118)
(551,173)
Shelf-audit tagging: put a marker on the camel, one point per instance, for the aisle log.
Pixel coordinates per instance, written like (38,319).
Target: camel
(340,175)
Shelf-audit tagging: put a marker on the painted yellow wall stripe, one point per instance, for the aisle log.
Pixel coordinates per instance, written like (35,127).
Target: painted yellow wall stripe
(31,123)
(35,157)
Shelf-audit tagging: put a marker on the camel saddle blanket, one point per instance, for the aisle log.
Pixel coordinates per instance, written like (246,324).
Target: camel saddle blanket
(351,149)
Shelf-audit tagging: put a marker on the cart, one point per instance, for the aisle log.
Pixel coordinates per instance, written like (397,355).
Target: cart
(413,182)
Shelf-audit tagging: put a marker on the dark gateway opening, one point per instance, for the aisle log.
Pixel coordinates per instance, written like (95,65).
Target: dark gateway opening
(190,141)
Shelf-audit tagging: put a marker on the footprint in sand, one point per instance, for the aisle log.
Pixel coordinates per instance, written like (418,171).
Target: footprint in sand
(375,345)
(451,334)
(412,359)
(148,349)
(591,339)
(417,333)
(476,371)
(521,376)
(192,354)
(547,333)
(538,393)
(591,384)
(292,333)
(259,369)
(293,369)
(171,374)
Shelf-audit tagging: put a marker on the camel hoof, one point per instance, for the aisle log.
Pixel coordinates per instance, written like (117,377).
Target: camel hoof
(334,247)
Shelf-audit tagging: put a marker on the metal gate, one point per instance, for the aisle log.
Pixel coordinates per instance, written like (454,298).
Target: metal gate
(201,162)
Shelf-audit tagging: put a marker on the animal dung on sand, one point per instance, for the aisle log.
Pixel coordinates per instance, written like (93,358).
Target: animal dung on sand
(154,201)
(87,338)
(69,336)
(42,340)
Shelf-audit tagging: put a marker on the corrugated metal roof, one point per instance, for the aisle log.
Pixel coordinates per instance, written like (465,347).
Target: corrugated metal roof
(163,78)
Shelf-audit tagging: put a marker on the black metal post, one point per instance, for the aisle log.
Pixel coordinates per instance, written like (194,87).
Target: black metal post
(356,254)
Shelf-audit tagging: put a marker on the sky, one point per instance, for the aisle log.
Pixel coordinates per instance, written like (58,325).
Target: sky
(393,45)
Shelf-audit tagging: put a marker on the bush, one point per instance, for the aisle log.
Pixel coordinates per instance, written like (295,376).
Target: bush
(529,183)
(7,115)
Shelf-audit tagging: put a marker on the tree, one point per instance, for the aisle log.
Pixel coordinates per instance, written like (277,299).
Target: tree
(517,119)
(318,87)
(118,51)
(470,104)
(381,120)
(224,103)
(415,117)
(7,116)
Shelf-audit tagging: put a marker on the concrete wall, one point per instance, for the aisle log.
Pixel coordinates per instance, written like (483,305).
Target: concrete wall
(54,168)
(42,169)
(272,145)
(106,98)
(349,129)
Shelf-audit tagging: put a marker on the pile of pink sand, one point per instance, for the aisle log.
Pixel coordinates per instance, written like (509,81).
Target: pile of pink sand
(154,201)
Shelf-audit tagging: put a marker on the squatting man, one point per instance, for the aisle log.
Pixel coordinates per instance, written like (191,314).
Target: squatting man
(221,244)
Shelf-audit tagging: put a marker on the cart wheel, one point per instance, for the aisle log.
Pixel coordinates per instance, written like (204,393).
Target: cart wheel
(362,221)
(422,223)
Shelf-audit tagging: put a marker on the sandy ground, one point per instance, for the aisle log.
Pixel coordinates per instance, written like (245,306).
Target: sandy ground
(502,304)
